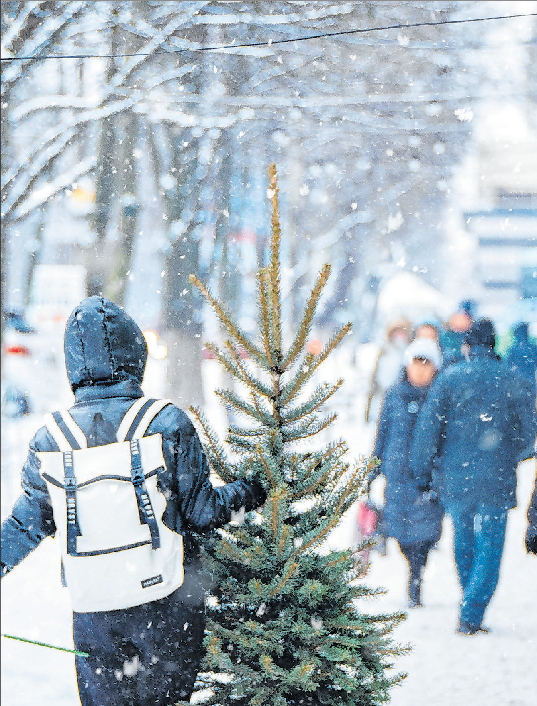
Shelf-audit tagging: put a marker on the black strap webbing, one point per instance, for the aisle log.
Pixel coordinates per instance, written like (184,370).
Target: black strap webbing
(145,509)
(73,528)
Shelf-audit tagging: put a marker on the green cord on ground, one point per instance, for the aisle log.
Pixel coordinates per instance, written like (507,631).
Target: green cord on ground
(44,644)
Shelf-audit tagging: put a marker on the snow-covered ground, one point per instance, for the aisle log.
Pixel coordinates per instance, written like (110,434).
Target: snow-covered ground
(443,668)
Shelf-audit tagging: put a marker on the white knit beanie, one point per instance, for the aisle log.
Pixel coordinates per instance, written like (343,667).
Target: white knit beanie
(424,348)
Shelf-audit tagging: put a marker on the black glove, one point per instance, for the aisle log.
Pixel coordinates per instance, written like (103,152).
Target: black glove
(257,494)
(531,541)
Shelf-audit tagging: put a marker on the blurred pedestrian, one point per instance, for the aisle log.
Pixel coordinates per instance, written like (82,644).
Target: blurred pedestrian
(388,364)
(522,355)
(132,566)
(427,329)
(477,424)
(531,530)
(452,337)
(411,516)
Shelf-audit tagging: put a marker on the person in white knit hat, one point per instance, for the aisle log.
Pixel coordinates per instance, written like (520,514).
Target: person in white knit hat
(412,517)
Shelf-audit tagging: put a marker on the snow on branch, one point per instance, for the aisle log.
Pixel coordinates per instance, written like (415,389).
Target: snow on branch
(45,35)
(39,199)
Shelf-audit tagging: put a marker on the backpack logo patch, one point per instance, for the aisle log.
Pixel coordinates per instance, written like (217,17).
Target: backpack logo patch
(152,581)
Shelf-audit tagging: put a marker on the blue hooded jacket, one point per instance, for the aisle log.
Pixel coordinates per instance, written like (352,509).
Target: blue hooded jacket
(478,423)
(522,355)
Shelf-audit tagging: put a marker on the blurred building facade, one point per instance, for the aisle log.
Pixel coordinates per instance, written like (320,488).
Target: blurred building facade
(504,228)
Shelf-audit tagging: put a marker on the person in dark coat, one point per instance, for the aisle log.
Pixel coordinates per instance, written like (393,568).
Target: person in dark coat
(522,355)
(531,531)
(148,654)
(411,516)
(477,424)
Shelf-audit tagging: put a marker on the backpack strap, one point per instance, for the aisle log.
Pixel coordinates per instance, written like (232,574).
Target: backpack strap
(68,436)
(144,415)
(132,416)
(144,418)
(145,509)
(69,479)
(65,431)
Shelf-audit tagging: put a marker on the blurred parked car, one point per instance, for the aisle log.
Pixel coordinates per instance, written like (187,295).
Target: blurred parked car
(18,346)
(15,320)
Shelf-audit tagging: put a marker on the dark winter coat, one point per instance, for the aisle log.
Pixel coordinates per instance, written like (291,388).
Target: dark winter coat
(522,355)
(160,642)
(410,514)
(531,531)
(479,422)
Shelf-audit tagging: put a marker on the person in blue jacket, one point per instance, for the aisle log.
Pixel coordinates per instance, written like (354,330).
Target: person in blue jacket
(452,336)
(411,516)
(522,355)
(148,654)
(478,423)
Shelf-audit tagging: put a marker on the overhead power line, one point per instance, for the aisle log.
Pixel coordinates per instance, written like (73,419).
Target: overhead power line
(269,42)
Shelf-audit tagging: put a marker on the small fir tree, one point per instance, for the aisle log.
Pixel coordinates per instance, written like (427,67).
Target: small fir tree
(283,624)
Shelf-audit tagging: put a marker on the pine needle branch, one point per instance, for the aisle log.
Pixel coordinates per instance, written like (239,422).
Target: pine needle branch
(276,499)
(275,262)
(227,363)
(340,447)
(263,284)
(225,318)
(241,406)
(349,491)
(283,540)
(304,330)
(309,428)
(266,467)
(325,471)
(331,345)
(311,364)
(289,572)
(246,433)
(323,393)
(301,377)
(252,382)
(215,450)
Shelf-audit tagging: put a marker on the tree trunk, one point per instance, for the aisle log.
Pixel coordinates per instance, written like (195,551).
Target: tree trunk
(182,309)
(123,248)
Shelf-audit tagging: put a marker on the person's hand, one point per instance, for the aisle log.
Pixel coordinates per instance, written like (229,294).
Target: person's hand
(530,541)
(258,491)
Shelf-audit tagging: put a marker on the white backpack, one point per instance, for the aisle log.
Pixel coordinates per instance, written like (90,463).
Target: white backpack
(116,551)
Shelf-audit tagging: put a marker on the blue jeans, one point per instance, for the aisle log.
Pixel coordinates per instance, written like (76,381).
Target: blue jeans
(479,539)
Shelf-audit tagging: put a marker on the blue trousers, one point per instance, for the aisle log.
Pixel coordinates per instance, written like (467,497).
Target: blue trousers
(479,539)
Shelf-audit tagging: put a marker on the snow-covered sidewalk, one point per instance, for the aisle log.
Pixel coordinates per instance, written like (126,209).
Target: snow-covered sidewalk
(444,668)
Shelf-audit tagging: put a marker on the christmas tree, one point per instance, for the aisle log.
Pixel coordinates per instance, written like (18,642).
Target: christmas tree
(283,625)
